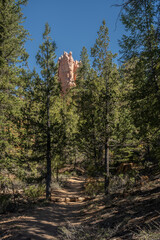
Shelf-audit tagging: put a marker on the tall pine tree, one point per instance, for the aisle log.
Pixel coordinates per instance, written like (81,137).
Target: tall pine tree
(103,63)
(12,57)
(140,49)
(46,60)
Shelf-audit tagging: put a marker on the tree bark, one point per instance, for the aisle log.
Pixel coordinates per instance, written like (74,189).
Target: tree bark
(57,173)
(48,177)
(107,166)
(107,136)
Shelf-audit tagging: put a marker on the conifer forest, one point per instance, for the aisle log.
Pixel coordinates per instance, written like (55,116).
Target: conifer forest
(81,163)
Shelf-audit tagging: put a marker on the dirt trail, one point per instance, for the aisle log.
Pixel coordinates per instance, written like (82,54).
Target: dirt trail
(118,214)
(45,222)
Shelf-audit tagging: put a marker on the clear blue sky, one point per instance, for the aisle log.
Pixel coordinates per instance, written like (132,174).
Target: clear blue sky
(73,23)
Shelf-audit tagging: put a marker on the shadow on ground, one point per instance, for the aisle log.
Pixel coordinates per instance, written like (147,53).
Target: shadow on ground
(121,214)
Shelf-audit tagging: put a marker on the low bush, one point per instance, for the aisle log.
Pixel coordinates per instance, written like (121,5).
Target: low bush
(34,192)
(121,182)
(94,186)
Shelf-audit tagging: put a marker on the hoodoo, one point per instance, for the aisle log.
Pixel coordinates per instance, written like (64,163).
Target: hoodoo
(67,71)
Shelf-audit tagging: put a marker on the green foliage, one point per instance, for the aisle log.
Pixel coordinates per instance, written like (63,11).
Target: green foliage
(140,50)
(68,120)
(111,116)
(12,59)
(13,35)
(34,192)
(83,70)
(47,90)
(108,96)
(94,187)
(122,183)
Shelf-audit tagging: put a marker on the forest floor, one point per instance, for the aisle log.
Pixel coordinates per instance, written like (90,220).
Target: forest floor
(118,215)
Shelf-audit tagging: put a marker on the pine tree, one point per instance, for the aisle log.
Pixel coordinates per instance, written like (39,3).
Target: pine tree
(140,49)
(12,58)
(86,100)
(46,59)
(84,67)
(103,63)
(13,35)
(126,143)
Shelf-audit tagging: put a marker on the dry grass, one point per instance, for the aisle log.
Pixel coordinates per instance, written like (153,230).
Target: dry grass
(152,233)
(81,232)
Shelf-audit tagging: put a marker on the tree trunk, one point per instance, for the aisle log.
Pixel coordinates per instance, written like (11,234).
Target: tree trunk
(48,177)
(94,144)
(107,166)
(107,137)
(57,173)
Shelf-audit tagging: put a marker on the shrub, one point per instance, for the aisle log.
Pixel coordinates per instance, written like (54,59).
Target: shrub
(33,192)
(121,182)
(94,186)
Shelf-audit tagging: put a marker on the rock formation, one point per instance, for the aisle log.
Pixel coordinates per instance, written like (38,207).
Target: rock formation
(67,71)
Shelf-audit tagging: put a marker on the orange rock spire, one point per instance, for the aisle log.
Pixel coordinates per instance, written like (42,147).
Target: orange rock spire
(67,71)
